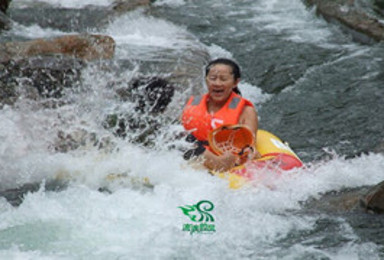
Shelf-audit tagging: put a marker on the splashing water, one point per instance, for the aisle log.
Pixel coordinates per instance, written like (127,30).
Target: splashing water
(140,218)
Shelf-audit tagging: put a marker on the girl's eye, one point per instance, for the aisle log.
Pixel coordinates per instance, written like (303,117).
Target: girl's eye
(215,78)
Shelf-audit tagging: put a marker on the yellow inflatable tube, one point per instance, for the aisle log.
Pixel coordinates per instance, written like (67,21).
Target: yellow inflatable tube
(275,155)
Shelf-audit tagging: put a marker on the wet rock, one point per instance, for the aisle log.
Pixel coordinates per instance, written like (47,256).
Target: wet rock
(85,46)
(46,67)
(369,199)
(38,77)
(8,93)
(337,201)
(4,5)
(354,20)
(379,148)
(15,196)
(373,201)
(150,97)
(379,3)
(115,181)
(5,23)
(81,139)
(151,94)
(123,6)
(379,7)
(111,183)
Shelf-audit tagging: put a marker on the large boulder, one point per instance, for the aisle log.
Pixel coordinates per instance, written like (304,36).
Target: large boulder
(45,67)
(85,46)
(359,24)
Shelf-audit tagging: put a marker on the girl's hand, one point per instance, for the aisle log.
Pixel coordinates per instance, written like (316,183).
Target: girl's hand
(227,161)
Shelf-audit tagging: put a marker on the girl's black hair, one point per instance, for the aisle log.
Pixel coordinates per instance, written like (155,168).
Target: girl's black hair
(235,69)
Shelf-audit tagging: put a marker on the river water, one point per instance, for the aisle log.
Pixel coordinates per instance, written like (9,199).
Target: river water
(312,86)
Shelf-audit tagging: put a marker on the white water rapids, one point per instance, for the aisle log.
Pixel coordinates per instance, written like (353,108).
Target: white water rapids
(81,222)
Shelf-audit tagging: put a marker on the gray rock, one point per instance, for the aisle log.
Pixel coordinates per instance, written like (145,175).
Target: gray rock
(45,67)
(15,196)
(4,5)
(379,7)
(379,4)
(373,201)
(45,77)
(8,93)
(123,6)
(365,199)
(363,27)
(83,46)
(5,22)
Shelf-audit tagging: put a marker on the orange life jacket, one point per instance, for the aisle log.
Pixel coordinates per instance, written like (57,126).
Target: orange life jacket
(200,122)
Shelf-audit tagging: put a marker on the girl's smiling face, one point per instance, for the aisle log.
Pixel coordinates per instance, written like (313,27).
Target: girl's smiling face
(220,81)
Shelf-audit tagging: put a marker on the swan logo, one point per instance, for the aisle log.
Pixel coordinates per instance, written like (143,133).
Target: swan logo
(201,216)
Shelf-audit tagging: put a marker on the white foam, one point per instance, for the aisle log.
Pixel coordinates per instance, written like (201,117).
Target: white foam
(292,19)
(133,223)
(147,35)
(217,51)
(127,222)
(35,31)
(169,3)
(64,3)
(253,93)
